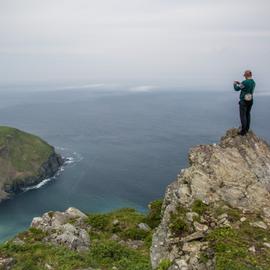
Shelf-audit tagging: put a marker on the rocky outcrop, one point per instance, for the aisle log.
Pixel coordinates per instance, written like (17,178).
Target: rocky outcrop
(47,170)
(64,228)
(233,175)
(25,161)
(6,263)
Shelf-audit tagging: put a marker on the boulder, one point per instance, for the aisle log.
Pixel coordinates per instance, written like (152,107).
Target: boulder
(62,230)
(144,227)
(6,263)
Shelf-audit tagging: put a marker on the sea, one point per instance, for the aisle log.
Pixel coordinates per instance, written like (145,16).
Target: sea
(122,146)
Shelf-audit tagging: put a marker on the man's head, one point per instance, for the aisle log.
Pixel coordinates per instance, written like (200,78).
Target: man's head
(248,74)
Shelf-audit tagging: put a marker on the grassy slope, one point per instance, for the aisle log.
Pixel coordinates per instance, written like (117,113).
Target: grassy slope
(104,252)
(230,245)
(21,154)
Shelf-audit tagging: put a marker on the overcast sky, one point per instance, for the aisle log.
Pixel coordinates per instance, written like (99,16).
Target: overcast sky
(149,42)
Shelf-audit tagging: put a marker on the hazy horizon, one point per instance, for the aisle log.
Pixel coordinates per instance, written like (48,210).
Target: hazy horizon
(146,44)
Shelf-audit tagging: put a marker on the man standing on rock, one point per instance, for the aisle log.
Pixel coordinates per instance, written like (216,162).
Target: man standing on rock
(246,100)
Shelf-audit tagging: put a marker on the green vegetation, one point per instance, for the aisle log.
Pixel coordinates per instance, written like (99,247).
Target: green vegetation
(234,214)
(178,224)
(123,221)
(108,253)
(199,207)
(99,221)
(164,264)
(24,152)
(153,217)
(231,247)
(34,256)
(117,241)
(103,254)
(112,235)
(105,251)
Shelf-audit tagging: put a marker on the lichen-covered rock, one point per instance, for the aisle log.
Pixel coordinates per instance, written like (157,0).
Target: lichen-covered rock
(235,172)
(64,228)
(144,227)
(75,213)
(6,263)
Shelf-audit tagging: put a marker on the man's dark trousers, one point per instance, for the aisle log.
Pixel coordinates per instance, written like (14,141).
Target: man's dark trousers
(245,108)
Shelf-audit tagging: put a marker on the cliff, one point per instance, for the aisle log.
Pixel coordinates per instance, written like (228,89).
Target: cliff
(25,160)
(216,215)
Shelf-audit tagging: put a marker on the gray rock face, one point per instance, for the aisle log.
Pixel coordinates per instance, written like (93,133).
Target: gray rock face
(144,227)
(235,171)
(64,228)
(6,263)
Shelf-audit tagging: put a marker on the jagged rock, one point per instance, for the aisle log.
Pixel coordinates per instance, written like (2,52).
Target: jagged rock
(18,241)
(134,244)
(48,266)
(144,227)
(226,223)
(193,236)
(194,261)
(6,263)
(259,224)
(223,216)
(181,264)
(50,221)
(200,227)
(236,172)
(115,222)
(61,232)
(193,247)
(75,213)
(115,237)
(222,221)
(191,216)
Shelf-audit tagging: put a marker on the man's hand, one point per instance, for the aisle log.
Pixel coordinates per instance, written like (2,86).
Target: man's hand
(236,82)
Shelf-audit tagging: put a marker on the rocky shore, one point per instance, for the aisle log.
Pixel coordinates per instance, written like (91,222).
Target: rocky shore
(48,169)
(25,161)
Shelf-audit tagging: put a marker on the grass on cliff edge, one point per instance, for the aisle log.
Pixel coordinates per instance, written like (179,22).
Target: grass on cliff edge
(24,151)
(104,253)
(232,248)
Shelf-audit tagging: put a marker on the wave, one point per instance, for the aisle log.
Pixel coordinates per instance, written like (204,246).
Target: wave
(72,159)
(39,185)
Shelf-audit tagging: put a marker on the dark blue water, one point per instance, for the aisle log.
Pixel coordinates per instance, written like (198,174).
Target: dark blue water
(126,147)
